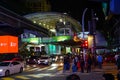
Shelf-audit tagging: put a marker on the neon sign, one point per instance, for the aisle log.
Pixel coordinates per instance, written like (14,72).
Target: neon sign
(8,44)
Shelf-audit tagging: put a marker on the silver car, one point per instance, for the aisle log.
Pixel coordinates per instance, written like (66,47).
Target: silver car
(45,60)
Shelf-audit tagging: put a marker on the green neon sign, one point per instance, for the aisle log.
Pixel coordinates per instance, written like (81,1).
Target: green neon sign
(46,39)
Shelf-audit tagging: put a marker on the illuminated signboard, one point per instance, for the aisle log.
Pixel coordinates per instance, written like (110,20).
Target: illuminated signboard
(80,35)
(8,44)
(34,40)
(46,39)
(61,38)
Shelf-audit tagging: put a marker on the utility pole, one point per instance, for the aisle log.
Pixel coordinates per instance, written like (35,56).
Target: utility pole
(94,31)
(83,29)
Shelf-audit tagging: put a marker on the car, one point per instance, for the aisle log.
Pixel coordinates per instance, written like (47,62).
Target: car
(14,59)
(11,67)
(17,59)
(32,60)
(45,60)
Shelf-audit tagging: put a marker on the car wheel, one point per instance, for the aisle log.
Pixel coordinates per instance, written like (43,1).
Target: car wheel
(7,73)
(21,69)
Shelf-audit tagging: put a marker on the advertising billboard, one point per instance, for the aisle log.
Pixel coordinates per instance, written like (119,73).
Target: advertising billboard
(8,44)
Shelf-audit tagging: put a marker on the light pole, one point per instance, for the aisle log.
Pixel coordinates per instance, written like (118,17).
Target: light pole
(83,29)
(83,16)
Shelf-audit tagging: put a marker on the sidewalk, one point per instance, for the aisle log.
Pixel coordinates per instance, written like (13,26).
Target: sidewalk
(95,74)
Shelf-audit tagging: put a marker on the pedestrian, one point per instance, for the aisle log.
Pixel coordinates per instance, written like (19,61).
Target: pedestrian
(100,61)
(82,64)
(74,66)
(78,65)
(89,63)
(64,63)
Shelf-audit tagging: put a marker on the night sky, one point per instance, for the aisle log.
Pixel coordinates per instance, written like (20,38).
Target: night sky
(75,9)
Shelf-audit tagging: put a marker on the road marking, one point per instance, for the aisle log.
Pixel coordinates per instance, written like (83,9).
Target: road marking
(52,68)
(7,78)
(40,75)
(43,68)
(22,77)
(60,68)
(33,69)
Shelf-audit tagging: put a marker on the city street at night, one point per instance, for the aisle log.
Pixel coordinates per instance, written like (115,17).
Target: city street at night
(59,39)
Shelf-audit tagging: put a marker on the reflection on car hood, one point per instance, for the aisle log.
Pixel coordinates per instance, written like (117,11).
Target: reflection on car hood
(3,67)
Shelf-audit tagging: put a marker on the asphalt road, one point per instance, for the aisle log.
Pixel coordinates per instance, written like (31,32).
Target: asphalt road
(54,72)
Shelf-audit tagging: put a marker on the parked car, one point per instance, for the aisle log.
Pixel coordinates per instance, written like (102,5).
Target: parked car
(32,60)
(45,60)
(14,59)
(10,67)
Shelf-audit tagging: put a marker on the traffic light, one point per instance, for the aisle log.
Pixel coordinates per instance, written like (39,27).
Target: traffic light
(85,44)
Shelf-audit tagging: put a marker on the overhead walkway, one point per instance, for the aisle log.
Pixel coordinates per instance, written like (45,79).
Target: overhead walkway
(9,18)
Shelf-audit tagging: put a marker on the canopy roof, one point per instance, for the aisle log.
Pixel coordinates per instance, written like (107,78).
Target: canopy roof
(49,19)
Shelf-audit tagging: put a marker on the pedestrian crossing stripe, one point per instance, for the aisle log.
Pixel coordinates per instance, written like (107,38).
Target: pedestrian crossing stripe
(33,69)
(22,77)
(60,68)
(52,68)
(7,78)
(43,68)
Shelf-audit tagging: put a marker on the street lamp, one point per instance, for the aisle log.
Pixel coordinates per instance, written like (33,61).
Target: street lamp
(83,16)
(83,29)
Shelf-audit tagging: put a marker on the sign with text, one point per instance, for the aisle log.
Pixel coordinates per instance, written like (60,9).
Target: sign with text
(8,44)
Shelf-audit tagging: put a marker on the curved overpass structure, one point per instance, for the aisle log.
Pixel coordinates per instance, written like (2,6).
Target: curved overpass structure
(49,19)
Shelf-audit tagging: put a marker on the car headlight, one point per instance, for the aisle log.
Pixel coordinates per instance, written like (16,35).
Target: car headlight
(38,61)
(1,70)
(61,57)
(46,60)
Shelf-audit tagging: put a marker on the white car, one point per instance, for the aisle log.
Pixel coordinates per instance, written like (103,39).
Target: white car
(45,60)
(10,67)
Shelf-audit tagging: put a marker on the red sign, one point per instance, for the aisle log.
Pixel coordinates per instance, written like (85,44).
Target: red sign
(8,44)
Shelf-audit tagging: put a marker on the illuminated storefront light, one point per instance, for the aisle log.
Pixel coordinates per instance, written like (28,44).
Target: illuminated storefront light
(90,41)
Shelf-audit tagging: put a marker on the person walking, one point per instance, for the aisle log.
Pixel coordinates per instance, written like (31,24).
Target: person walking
(74,66)
(99,61)
(82,64)
(64,63)
(89,63)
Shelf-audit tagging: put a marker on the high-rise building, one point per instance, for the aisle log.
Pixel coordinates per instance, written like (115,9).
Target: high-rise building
(38,5)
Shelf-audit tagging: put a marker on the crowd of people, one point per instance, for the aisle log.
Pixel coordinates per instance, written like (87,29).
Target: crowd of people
(82,62)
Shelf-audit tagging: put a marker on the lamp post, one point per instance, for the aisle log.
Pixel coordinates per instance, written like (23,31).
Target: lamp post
(83,16)
(83,29)
(94,32)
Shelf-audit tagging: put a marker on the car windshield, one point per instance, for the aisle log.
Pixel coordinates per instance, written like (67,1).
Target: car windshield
(44,57)
(4,63)
(33,57)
